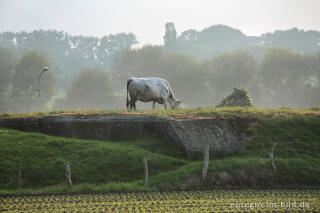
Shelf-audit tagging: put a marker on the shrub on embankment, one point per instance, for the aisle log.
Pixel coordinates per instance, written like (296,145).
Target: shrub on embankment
(238,97)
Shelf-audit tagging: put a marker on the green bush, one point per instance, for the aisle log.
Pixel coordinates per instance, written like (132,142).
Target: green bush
(238,97)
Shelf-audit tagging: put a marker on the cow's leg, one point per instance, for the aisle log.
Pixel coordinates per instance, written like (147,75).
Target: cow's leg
(163,101)
(153,104)
(133,104)
(165,104)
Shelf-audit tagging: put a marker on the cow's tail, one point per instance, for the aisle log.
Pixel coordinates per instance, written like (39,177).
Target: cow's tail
(128,83)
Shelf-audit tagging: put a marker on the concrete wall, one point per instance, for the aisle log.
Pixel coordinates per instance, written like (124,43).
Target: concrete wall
(224,136)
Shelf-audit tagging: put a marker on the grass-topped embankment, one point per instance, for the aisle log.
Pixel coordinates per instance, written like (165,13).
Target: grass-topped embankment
(113,166)
(184,113)
(297,157)
(41,159)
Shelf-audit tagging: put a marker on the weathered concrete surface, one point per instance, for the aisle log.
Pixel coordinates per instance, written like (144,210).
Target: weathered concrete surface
(23,124)
(223,136)
(118,127)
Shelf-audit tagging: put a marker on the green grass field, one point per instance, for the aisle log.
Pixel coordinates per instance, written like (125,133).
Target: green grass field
(117,165)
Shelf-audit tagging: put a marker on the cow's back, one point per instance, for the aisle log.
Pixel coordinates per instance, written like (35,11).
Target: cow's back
(147,89)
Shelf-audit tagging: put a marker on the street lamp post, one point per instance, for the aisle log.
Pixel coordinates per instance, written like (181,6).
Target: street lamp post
(43,70)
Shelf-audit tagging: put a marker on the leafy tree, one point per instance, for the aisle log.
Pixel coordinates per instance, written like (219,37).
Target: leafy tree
(229,70)
(217,39)
(91,89)
(7,40)
(315,69)
(171,34)
(189,35)
(309,93)
(24,82)
(220,38)
(7,63)
(188,81)
(68,54)
(293,39)
(146,61)
(284,76)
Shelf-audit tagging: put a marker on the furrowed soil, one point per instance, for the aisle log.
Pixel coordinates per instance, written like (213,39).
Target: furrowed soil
(182,201)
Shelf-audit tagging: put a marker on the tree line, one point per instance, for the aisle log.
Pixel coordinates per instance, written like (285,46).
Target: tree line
(218,39)
(283,79)
(201,67)
(68,54)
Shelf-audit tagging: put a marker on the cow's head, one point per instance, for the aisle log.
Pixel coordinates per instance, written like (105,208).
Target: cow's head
(174,103)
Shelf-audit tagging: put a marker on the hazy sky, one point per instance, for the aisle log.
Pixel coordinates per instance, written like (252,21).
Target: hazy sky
(147,18)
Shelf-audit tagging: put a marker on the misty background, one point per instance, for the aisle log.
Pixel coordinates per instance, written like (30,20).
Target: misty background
(91,48)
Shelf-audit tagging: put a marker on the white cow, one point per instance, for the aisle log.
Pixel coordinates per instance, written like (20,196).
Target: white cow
(150,89)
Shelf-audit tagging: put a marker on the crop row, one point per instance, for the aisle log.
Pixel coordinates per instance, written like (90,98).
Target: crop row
(193,201)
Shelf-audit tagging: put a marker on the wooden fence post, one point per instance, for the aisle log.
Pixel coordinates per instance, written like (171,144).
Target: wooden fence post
(68,173)
(19,178)
(271,155)
(205,161)
(145,172)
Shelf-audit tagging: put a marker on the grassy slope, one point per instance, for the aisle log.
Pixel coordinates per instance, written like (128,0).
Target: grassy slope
(41,158)
(108,163)
(297,155)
